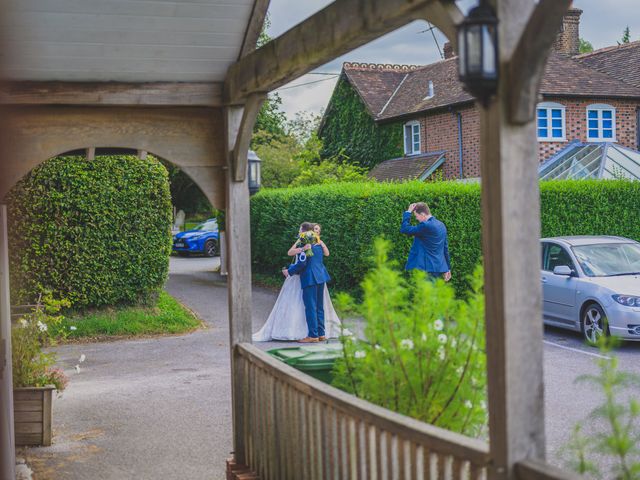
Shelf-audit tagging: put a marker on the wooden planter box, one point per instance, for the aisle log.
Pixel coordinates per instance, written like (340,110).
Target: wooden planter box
(32,408)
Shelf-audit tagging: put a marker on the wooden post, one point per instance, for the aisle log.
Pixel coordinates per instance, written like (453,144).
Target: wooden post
(511,247)
(238,256)
(91,153)
(7,438)
(142,154)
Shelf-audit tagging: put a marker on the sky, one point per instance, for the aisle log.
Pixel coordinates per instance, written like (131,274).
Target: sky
(602,23)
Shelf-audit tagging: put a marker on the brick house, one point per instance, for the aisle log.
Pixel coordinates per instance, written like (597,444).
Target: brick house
(585,99)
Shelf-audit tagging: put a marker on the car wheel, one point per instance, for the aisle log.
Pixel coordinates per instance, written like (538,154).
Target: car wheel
(211,248)
(594,323)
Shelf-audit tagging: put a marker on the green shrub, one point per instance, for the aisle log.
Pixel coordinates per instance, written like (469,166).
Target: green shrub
(353,214)
(423,352)
(95,232)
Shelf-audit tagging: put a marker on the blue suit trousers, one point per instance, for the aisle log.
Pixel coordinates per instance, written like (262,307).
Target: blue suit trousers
(313,297)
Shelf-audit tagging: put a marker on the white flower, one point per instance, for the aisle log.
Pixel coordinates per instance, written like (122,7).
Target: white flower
(77,367)
(483,404)
(379,348)
(453,343)
(407,344)
(41,326)
(347,333)
(360,354)
(23,323)
(441,353)
(438,325)
(442,338)
(82,358)
(459,370)
(468,404)
(73,328)
(424,337)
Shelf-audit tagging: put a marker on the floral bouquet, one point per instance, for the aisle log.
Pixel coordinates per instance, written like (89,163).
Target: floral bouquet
(307,238)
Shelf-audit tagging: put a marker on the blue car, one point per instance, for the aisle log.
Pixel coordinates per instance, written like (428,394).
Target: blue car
(202,239)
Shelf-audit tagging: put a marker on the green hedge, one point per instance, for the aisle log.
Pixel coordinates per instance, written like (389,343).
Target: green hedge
(95,232)
(352,215)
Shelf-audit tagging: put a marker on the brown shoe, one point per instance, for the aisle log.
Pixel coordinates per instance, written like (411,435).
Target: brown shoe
(309,340)
(322,339)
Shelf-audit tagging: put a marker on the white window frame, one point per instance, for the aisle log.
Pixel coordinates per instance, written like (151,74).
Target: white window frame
(549,107)
(415,138)
(601,107)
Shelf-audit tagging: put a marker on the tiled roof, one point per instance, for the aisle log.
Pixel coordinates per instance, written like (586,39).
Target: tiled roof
(407,168)
(396,92)
(411,97)
(620,61)
(376,82)
(567,76)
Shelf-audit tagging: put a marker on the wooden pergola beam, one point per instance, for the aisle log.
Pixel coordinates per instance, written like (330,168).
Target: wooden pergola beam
(527,65)
(254,27)
(111,94)
(337,29)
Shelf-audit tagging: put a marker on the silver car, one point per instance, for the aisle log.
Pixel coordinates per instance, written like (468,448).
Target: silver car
(592,285)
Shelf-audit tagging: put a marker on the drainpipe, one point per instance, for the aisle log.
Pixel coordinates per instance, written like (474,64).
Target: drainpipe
(460,144)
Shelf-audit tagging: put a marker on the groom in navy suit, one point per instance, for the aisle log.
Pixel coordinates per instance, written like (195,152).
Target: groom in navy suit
(313,276)
(430,249)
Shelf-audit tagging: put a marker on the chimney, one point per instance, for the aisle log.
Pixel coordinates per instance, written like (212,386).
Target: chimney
(568,39)
(448,51)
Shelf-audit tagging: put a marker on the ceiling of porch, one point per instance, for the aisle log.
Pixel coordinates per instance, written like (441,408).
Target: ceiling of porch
(123,40)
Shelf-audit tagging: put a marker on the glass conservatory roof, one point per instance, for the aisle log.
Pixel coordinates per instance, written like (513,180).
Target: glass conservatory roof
(592,160)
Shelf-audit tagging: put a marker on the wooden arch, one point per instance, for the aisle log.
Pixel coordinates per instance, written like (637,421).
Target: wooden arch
(183,136)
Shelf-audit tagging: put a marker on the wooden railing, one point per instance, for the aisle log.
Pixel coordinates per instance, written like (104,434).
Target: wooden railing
(292,426)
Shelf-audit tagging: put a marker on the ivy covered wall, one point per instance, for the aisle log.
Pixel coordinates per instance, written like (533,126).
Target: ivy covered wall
(349,130)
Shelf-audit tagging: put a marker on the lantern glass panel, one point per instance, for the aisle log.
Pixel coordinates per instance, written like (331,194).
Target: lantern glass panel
(489,54)
(462,52)
(474,46)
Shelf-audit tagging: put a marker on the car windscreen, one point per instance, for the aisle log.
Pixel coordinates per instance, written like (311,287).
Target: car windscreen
(608,259)
(211,226)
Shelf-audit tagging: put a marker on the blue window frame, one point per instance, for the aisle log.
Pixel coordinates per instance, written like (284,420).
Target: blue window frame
(601,123)
(550,121)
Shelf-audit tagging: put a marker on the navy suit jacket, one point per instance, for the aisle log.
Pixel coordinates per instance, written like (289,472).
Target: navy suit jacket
(430,249)
(312,270)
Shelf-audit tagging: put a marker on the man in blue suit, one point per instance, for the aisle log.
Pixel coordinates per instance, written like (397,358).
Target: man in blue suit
(430,249)
(313,276)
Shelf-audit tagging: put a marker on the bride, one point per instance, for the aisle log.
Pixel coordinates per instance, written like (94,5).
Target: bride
(287,319)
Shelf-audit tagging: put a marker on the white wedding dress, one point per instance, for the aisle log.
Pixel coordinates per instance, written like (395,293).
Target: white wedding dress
(287,320)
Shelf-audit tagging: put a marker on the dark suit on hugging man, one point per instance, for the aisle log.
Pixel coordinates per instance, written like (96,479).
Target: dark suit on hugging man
(313,276)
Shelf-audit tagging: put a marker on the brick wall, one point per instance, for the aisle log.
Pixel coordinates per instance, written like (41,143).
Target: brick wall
(439,131)
(568,39)
(576,123)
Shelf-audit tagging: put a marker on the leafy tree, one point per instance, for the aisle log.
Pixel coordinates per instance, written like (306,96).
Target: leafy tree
(585,46)
(626,36)
(185,194)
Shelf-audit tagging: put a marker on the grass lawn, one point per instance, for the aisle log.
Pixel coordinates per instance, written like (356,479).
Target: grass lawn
(167,317)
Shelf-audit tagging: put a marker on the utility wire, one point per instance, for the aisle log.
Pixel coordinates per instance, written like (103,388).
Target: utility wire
(306,83)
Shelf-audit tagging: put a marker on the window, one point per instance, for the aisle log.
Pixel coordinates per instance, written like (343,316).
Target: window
(551,122)
(556,256)
(412,138)
(601,123)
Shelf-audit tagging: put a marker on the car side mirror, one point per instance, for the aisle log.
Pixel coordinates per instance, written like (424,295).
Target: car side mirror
(563,270)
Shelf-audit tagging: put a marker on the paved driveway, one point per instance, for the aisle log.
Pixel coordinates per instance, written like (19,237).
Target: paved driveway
(159,408)
(156,408)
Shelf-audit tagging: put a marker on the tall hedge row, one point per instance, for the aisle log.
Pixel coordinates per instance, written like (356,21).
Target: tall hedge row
(96,232)
(352,215)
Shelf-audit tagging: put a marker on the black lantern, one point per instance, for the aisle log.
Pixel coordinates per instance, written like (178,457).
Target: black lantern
(254,172)
(478,52)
